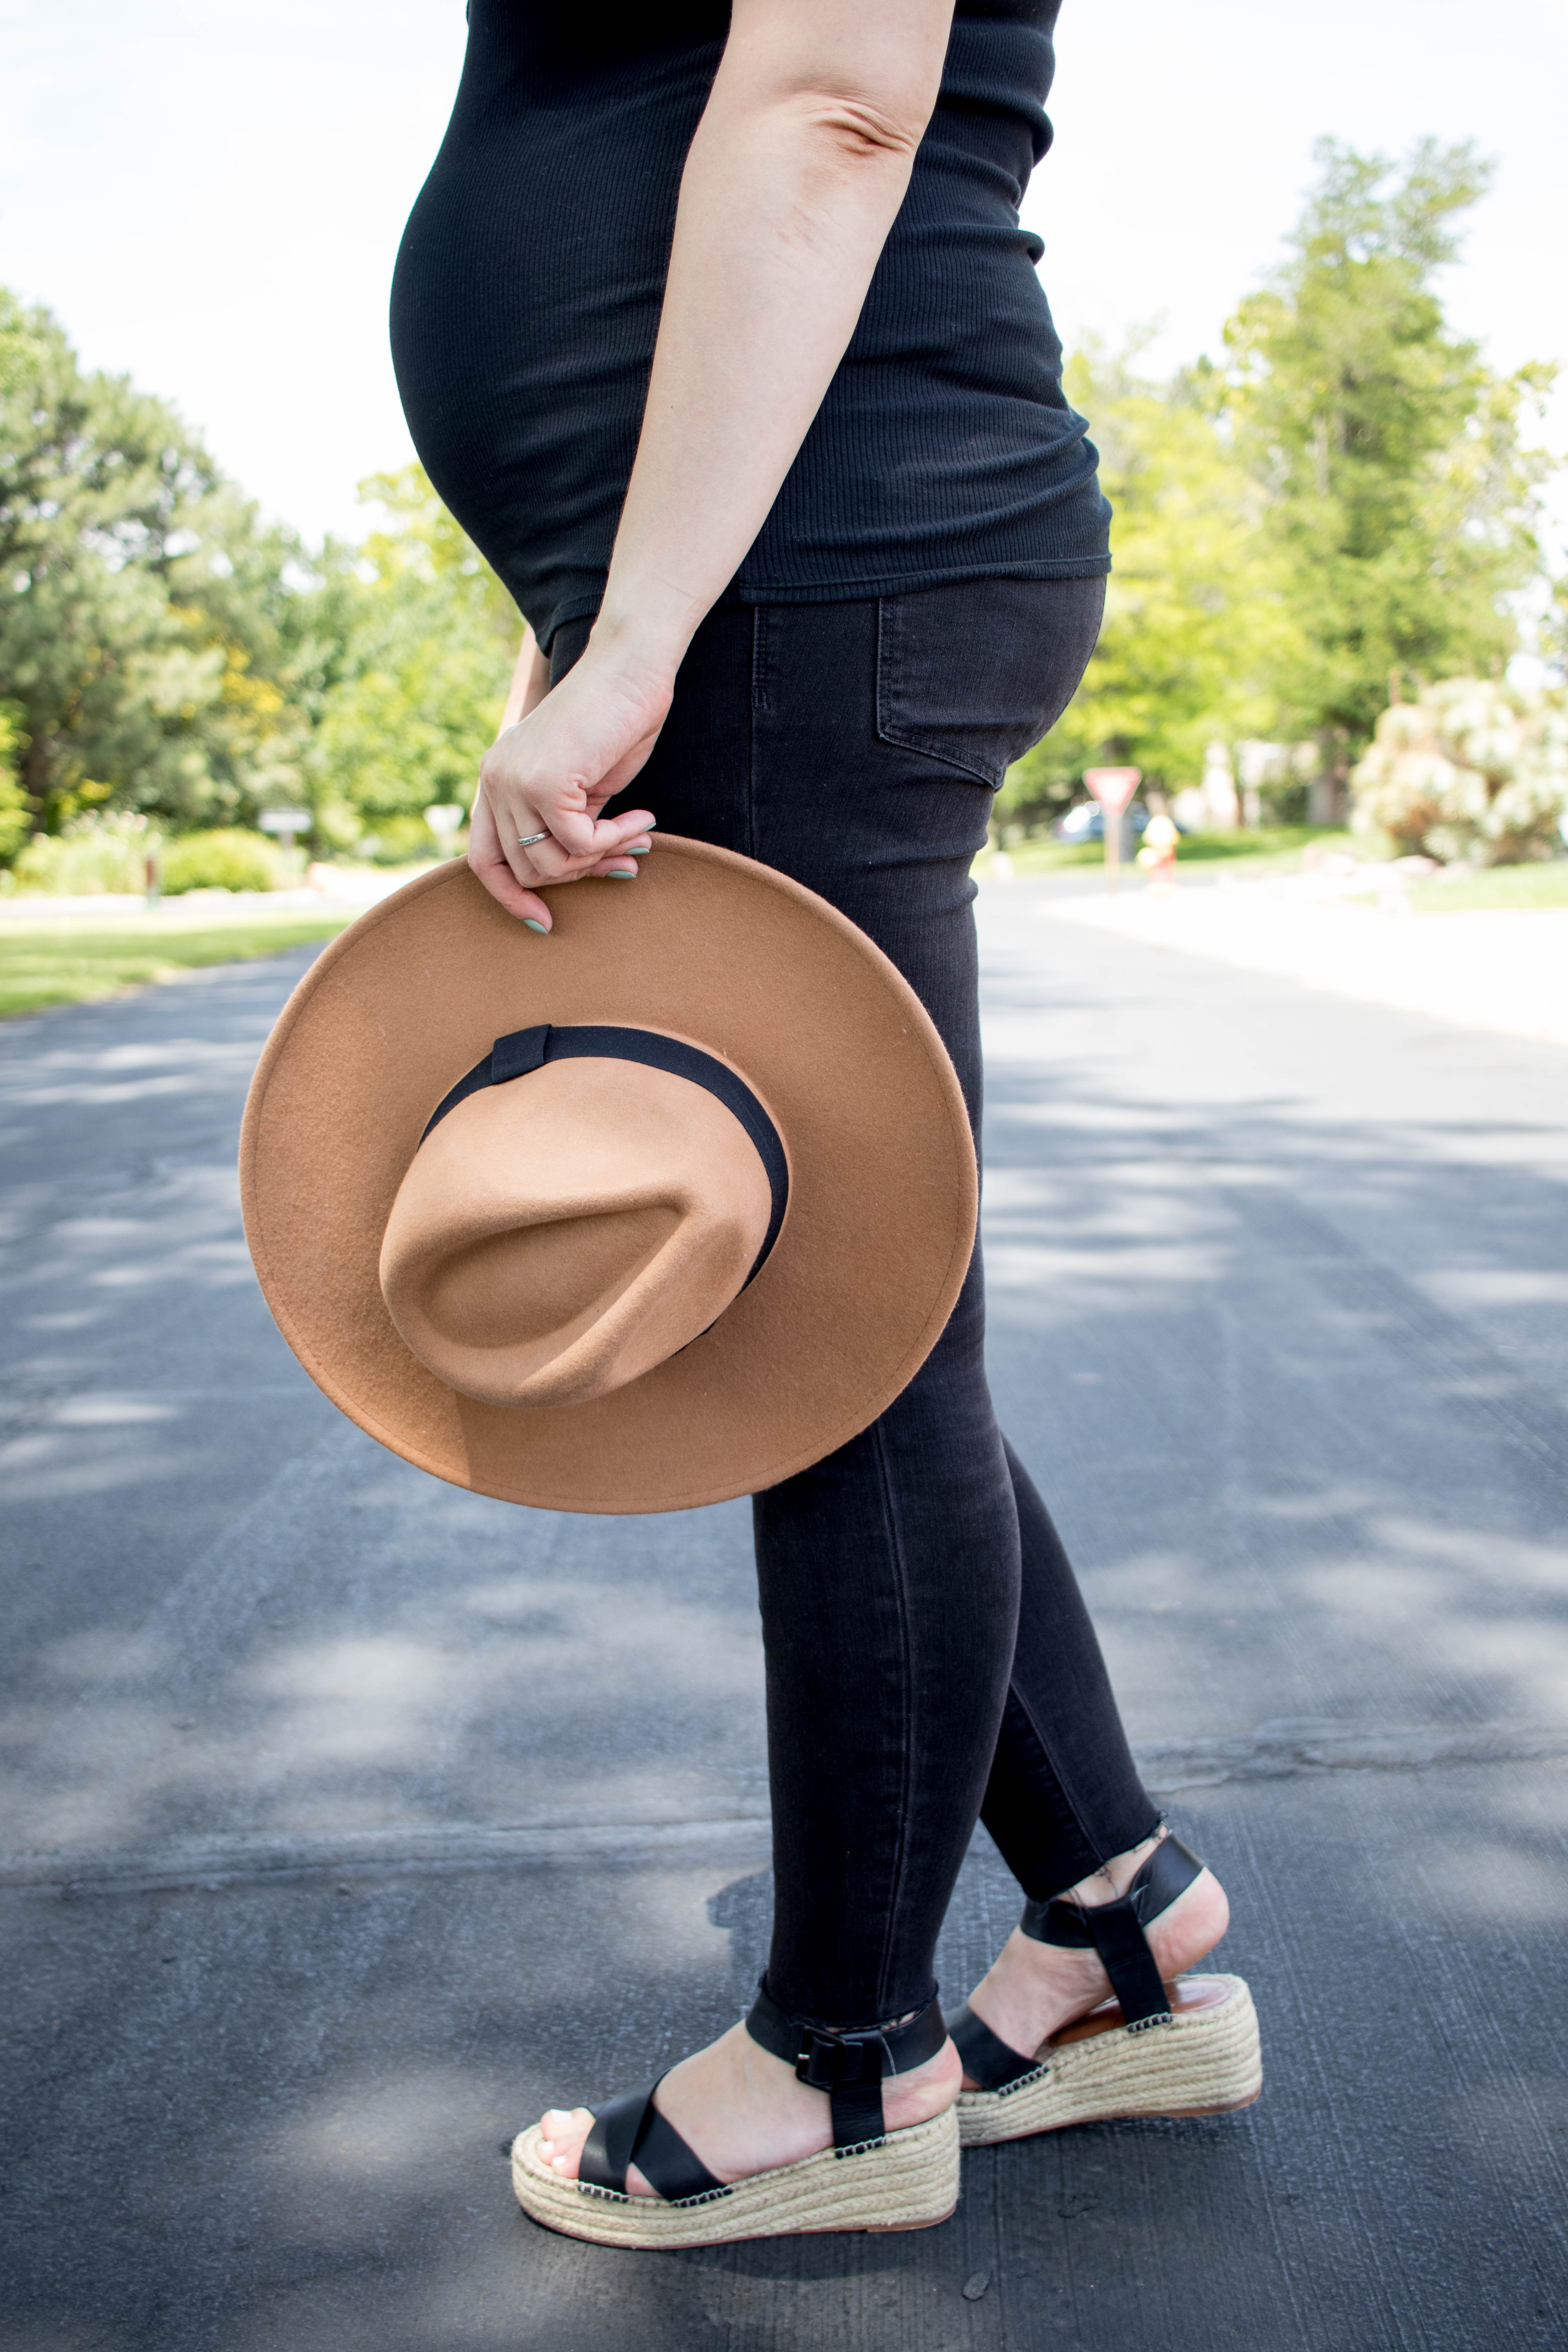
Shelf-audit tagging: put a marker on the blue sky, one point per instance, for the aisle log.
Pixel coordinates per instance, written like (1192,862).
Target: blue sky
(210,196)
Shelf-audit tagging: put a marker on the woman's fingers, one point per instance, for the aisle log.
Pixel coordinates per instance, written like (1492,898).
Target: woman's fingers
(515,882)
(620,865)
(504,887)
(489,863)
(619,832)
(569,850)
(544,781)
(568,829)
(546,863)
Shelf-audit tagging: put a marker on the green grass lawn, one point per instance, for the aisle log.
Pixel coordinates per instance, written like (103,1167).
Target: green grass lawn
(1495,886)
(69,963)
(1266,848)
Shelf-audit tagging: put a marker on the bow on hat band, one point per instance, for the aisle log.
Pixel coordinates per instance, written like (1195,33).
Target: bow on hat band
(525,1050)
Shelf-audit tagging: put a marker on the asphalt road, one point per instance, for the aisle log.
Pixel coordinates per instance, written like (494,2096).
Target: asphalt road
(348,1820)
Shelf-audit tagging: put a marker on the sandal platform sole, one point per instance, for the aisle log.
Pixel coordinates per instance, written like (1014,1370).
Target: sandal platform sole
(908,2181)
(1206,2062)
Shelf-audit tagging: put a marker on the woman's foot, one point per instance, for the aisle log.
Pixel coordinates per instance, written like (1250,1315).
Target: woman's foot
(1034,1989)
(744,2111)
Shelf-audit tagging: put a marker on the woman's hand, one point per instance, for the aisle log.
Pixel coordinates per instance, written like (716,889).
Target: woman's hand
(551,772)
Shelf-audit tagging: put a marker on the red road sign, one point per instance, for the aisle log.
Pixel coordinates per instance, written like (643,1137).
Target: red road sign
(1113,787)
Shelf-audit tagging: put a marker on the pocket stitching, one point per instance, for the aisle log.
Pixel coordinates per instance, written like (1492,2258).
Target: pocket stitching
(910,739)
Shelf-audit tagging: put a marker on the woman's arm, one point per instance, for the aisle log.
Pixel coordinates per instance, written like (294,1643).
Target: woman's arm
(530,682)
(797,169)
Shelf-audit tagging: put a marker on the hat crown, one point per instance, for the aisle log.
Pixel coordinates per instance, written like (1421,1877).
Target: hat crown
(558,1235)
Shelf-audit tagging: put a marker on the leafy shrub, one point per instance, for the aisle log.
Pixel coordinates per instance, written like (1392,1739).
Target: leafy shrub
(93,853)
(13,817)
(399,841)
(14,810)
(1473,769)
(228,859)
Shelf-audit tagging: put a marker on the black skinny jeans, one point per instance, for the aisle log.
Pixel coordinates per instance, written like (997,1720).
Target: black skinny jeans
(929,1655)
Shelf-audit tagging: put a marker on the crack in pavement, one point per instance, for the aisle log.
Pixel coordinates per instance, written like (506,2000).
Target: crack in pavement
(1272,1751)
(1288,1749)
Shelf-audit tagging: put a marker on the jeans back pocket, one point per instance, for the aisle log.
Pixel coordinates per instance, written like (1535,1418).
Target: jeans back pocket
(972,674)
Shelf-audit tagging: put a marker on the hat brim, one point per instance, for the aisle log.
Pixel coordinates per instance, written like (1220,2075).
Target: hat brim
(709,947)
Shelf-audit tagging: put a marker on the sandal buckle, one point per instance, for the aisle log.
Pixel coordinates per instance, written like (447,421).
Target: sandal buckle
(825,2061)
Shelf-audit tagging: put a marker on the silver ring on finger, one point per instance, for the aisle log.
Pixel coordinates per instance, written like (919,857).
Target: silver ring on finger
(527,840)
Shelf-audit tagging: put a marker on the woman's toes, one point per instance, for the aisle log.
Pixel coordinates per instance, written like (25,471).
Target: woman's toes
(560,2138)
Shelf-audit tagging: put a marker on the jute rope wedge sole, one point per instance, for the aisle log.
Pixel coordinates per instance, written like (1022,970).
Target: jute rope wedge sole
(1204,2060)
(907,2181)
(1153,2050)
(870,2178)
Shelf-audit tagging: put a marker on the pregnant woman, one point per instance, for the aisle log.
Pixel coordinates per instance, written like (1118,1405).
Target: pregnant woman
(717,331)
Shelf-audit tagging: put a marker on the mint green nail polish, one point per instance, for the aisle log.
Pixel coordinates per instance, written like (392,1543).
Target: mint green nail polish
(619,874)
(541,927)
(637,853)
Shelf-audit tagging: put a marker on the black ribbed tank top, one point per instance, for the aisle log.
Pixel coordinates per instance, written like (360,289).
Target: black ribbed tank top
(527,297)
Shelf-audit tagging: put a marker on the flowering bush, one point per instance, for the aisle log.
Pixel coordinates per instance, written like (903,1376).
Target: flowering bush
(1473,769)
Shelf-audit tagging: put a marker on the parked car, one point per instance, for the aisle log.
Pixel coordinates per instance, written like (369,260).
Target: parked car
(1087,821)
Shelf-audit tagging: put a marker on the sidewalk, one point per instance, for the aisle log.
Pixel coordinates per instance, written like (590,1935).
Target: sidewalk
(1505,972)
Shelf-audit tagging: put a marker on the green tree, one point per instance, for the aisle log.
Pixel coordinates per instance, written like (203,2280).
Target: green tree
(429,635)
(140,605)
(1196,628)
(1400,499)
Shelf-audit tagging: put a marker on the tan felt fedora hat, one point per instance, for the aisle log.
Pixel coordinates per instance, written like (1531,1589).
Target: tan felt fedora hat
(651,1214)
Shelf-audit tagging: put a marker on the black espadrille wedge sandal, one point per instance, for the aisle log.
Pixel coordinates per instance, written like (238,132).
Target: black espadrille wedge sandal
(1186,2049)
(870,2178)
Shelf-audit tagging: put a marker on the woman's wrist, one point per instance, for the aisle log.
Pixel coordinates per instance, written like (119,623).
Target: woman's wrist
(642,631)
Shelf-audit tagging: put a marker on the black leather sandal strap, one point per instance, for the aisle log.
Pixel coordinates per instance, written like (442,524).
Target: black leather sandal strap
(849,2066)
(668,2164)
(1169,1871)
(608,2150)
(989,2061)
(1115,1930)
(1123,1949)
(630,2130)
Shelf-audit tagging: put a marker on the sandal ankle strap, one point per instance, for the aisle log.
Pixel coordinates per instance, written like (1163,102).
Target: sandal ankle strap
(1116,1930)
(850,2066)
